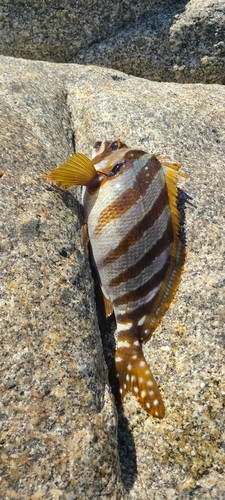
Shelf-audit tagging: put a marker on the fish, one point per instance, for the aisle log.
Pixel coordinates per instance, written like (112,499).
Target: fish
(133,228)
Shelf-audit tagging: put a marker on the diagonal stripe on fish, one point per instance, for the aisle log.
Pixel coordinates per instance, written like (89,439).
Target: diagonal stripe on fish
(130,204)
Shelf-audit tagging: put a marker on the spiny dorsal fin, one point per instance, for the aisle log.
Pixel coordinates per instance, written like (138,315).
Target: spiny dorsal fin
(78,170)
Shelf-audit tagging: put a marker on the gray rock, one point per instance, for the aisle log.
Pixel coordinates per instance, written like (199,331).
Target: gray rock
(59,433)
(162,40)
(56,32)
(59,423)
(176,43)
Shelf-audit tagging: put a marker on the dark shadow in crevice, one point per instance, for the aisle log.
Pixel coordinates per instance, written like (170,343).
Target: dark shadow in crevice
(127,452)
(126,445)
(73,204)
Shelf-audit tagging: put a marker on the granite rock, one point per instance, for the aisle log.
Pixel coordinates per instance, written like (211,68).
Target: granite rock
(58,435)
(163,40)
(58,432)
(181,42)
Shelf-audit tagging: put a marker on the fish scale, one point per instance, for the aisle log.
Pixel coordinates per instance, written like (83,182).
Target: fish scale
(129,201)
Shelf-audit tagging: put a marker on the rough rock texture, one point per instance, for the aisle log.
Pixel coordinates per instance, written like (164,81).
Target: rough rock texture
(58,435)
(58,432)
(164,40)
(182,42)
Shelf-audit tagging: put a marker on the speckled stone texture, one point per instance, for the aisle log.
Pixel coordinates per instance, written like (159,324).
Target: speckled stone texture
(164,40)
(58,437)
(58,433)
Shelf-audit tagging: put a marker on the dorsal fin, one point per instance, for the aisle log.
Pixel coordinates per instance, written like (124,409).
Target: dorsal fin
(78,170)
(173,274)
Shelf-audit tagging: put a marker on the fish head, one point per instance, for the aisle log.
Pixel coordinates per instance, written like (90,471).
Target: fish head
(108,156)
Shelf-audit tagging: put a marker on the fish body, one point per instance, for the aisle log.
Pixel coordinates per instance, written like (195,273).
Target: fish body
(133,224)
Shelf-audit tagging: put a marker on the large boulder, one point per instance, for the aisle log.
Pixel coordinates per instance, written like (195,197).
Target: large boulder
(162,40)
(59,424)
(181,42)
(59,432)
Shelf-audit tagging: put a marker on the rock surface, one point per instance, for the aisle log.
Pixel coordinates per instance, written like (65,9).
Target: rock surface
(164,40)
(58,434)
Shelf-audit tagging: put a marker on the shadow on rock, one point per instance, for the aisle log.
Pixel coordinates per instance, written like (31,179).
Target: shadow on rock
(127,451)
(126,446)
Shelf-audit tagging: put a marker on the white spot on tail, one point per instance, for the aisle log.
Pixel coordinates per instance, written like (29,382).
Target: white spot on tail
(127,377)
(118,359)
(129,367)
(133,378)
(155,402)
(123,343)
(141,321)
(135,356)
(140,380)
(136,389)
(143,393)
(151,393)
(121,390)
(136,343)
(149,382)
(142,363)
(123,326)
(148,405)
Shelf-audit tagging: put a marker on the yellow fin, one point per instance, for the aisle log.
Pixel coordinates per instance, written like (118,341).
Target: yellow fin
(130,373)
(108,306)
(77,170)
(174,271)
(171,172)
(85,238)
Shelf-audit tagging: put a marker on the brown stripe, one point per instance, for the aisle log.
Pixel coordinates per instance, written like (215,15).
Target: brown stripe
(131,195)
(144,289)
(103,155)
(138,230)
(160,245)
(137,314)
(133,154)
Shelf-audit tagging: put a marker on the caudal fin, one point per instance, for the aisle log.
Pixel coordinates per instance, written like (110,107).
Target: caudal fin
(131,373)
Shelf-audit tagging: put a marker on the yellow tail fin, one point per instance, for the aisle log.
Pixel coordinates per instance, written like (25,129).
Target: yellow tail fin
(131,373)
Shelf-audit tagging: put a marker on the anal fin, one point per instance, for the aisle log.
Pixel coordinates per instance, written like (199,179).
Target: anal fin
(108,306)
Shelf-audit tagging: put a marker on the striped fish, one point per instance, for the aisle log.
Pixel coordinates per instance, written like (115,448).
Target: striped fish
(133,225)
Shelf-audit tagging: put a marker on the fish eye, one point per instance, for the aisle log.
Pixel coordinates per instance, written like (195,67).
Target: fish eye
(114,145)
(97,144)
(116,169)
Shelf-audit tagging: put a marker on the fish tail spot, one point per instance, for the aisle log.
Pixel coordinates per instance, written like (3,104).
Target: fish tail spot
(131,373)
